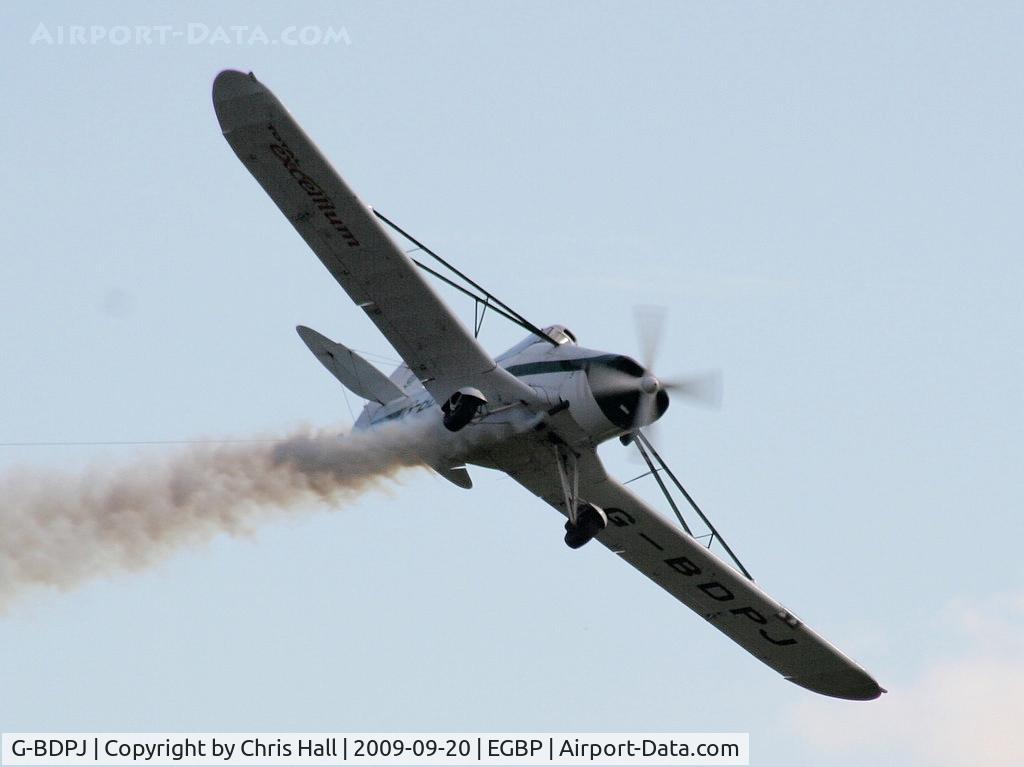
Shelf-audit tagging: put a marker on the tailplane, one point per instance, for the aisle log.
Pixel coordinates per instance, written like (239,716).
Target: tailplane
(355,374)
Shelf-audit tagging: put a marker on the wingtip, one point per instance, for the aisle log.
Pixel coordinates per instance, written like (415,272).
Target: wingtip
(231,84)
(846,685)
(237,97)
(309,335)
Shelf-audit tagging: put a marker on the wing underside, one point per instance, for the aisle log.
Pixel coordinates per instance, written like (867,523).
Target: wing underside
(345,235)
(695,576)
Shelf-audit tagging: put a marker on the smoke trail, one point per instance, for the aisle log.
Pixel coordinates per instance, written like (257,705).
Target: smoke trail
(59,529)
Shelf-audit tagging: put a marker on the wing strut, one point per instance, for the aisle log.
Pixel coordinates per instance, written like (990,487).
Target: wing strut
(648,452)
(664,490)
(489,300)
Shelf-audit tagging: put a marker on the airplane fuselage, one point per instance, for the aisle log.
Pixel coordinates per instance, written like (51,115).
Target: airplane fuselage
(591,397)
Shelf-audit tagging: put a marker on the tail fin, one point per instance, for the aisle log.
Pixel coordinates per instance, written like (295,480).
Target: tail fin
(356,374)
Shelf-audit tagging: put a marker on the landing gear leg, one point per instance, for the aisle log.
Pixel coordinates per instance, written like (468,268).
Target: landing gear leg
(585,519)
(569,474)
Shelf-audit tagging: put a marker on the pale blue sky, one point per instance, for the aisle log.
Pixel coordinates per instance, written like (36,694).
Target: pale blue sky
(826,195)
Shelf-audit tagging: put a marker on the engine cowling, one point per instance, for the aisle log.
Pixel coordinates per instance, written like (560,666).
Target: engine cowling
(460,408)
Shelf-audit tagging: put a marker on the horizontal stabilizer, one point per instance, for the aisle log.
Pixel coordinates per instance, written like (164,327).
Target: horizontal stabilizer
(356,374)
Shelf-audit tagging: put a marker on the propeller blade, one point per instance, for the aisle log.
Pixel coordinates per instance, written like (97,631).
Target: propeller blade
(641,418)
(617,382)
(702,388)
(650,322)
(644,411)
(653,433)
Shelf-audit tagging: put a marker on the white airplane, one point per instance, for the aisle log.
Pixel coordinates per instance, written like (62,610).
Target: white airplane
(536,412)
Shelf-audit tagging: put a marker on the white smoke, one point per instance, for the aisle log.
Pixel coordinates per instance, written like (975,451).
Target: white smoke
(58,529)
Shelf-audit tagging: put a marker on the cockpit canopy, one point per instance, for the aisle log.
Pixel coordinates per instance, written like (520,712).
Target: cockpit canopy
(561,334)
(557,333)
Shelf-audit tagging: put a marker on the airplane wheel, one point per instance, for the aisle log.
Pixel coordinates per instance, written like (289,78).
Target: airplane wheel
(589,523)
(460,409)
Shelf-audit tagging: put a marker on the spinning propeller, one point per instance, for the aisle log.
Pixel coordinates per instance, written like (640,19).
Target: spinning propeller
(703,389)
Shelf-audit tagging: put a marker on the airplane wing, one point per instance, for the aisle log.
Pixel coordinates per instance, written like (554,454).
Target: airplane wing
(352,244)
(695,576)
